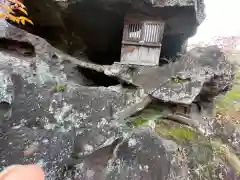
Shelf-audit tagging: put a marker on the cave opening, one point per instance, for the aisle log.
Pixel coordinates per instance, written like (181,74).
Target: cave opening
(101,31)
(172,44)
(97,78)
(18,48)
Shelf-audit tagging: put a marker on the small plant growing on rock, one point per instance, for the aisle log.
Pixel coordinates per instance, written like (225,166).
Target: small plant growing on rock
(9,12)
(60,88)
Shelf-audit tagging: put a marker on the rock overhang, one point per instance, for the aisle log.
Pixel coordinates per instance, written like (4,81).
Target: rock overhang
(104,19)
(181,12)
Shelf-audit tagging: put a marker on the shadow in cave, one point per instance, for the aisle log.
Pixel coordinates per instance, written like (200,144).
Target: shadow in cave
(101,31)
(99,79)
(171,45)
(18,48)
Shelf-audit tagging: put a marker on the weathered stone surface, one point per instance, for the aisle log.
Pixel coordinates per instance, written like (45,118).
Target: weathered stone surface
(144,156)
(145,5)
(42,94)
(197,156)
(200,71)
(49,149)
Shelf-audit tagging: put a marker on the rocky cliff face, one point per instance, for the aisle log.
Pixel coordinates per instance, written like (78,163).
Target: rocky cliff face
(82,127)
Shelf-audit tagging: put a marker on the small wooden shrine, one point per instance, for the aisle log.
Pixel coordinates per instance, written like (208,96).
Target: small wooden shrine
(141,42)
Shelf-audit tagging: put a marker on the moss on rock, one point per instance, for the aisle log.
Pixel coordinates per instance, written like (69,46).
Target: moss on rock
(146,117)
(60,88)
(205,157)
(228,106)
(230,99)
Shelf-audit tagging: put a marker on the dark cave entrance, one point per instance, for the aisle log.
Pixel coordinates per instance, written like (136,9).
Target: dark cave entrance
(172,44)
(101,31)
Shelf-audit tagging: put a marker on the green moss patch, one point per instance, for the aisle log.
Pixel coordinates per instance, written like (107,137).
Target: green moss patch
(146,117)
(60,88)
(178,133)
(230,101)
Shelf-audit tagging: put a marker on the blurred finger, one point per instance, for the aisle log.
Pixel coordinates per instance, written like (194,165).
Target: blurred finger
(22,172)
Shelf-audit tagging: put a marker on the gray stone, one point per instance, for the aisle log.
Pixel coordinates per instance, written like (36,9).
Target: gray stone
(144,156)
(49,149)
(44,95)
(201,71)
(198,5)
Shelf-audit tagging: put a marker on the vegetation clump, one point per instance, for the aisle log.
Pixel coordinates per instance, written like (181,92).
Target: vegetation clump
(228,106)
(60,88)
(10,11)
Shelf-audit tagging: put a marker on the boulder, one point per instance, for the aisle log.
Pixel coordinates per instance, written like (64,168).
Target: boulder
(44,98)
(144,155)
(203,72)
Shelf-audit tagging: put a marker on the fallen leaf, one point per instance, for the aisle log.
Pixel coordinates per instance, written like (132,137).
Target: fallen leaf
(22,18)
(22,10)
(12,18)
